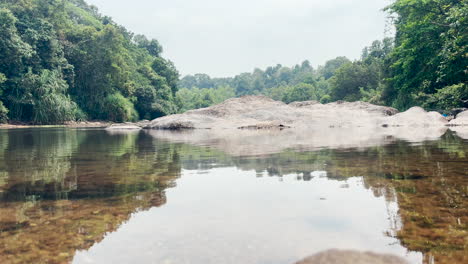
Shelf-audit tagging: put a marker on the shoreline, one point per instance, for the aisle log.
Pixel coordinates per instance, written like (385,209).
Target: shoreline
(263,113)
(85,124)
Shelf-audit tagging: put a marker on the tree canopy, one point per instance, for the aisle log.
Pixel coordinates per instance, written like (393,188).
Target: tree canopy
(63,61)
(431,52)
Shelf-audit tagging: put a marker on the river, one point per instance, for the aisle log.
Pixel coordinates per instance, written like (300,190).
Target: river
(93,196)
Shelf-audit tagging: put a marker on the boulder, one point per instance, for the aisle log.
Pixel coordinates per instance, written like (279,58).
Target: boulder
(335,256)
(126,126)
(260,112)
(415,117)
(456,111)
(460,120)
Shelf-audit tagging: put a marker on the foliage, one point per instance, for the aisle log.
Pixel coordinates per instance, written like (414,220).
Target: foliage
(338,79)
(325,99)
(119,108)
(152,46)
(281,83)
(41,99)
(204,97)
(3,109)
(301,92)
(297,93)
(331,66)
(364,79)
(431,48)
(446,98)
(3,113)
(347,82)
(62,61)
(257,82)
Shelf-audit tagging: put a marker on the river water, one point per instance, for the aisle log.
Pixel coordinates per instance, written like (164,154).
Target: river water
(92,196)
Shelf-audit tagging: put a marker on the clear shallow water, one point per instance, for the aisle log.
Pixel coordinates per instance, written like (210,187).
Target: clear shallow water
(87,196)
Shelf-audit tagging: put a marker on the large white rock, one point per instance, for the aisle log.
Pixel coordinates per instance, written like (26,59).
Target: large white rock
(415,117)
(263,112)
(460,120)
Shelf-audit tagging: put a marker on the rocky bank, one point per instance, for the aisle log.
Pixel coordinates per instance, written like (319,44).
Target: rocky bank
(259,112)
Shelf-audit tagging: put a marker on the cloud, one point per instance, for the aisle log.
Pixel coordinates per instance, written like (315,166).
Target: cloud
(223,38)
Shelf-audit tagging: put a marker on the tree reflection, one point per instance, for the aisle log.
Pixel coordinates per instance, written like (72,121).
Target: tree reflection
(63,190)
(428,180)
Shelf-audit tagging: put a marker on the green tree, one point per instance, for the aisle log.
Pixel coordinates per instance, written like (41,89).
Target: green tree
(331,66)
(64,52)
(348,81)
(167,70)
(445,99)
(13,49)
(430,48)
(300,92)
(3,109)
(152,46)
(42,99)
(119,108)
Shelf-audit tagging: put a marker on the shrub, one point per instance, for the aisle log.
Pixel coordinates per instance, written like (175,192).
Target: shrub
(445,99)
(3,113)
(42,100)
(119,109)
(300,92)
(325,99)
(55,109)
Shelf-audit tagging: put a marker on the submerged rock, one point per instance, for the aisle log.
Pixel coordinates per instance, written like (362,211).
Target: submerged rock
(335,256)
(125,126)
(143,123)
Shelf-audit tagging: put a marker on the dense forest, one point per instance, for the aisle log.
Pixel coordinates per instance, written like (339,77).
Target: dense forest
(425,64)
(61,60)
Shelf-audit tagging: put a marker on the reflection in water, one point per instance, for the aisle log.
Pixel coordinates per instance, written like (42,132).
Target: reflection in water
(64,193)
(238,218)
(63,190)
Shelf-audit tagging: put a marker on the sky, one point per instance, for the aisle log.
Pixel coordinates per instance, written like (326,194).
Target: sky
(225,37)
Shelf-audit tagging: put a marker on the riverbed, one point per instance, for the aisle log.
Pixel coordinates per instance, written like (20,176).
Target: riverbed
(76,195)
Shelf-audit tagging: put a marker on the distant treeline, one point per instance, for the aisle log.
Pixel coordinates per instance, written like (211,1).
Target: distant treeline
(61,61)
(426,64)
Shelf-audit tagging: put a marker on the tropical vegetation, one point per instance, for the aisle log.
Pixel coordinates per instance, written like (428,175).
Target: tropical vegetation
(61,60)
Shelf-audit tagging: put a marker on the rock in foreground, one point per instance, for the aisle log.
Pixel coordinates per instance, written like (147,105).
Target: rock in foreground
(259,112)
(351,257)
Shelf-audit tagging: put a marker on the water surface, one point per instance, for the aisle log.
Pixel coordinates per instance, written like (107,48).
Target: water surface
(90,196)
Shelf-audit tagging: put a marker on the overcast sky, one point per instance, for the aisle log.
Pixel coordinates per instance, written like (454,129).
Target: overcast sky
(227,37)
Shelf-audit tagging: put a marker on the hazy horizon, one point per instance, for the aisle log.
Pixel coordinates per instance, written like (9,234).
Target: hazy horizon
(223,38)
